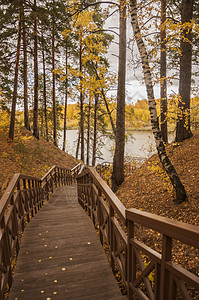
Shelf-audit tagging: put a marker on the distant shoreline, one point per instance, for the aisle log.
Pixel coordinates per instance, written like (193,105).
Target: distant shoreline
(147,128)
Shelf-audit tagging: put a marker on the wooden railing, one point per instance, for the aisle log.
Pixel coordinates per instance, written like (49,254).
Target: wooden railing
(105,169)
(148,274)
(22,199)
(77,170)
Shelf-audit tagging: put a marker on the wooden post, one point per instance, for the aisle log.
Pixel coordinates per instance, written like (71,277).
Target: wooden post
(111,234)
(165,275)
(131,260)
(99,214)
(31,200)
(172,289)
(55,180)
(21,205)
(157,281)
(47,188)
(35,201)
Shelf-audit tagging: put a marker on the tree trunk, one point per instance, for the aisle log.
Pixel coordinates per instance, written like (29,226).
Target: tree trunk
(44,92)
(26,114)
(81,103)
(95,131)
(78,143)
(42,132)
(35,108)
(183,130)
(168,167)
(106,103)
(163,82)
(14,98)
(53,68)
(88,133)
(109,112)
(66,100)
(118,159)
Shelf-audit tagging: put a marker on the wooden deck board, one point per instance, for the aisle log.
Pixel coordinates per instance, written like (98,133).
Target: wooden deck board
(61,256)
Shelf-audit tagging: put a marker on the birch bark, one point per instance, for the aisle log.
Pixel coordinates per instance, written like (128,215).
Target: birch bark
(166,163)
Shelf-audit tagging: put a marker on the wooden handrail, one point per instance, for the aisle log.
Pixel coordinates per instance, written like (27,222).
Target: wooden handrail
(76,167)
(10,189)
(115,202)
(126,252)
(186,233)
(22,199)
(116,225)
(8,194)
(52,169)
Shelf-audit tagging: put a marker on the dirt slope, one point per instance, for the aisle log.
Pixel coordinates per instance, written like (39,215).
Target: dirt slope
(28,155)
(149,188)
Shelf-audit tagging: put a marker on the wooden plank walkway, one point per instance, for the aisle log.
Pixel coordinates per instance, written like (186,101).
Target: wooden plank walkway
(61,256)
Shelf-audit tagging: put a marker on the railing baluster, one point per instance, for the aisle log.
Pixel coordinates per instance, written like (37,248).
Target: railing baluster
(99,215)
(131,260)
(111,235)
(166,256)
(109,214)
(28,198)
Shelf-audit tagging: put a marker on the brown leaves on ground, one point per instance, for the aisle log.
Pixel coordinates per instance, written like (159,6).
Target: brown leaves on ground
(29,156)
(149,189)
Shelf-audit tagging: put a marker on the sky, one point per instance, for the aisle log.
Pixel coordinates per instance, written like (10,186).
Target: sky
(135,88)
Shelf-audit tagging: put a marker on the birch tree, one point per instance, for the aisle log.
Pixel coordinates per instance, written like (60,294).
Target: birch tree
(163,73)
(166,163)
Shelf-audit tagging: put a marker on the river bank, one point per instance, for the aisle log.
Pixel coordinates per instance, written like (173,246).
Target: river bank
(139,143)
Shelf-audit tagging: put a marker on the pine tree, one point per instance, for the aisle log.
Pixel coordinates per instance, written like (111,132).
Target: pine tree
(36,100)
(118,159)
(183,128)
(14,98)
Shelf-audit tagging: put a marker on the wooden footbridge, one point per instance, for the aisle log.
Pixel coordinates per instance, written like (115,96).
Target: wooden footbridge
(59,255)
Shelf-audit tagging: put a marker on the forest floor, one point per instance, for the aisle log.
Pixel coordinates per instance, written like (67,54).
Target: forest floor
(29,156)
(149,189)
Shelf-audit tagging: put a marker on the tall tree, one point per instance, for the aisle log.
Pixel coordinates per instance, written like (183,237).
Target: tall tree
(81,95)
(36,100)
(78,143)
(44,90)
(9,25)
(118,159)
(88,130)
(66,98)
(53,74)
(183,130)
(166,163)
(14,98)
(95,129)
(25,70)
(163,74)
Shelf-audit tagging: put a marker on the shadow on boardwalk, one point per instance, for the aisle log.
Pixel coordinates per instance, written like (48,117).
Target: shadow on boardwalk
(61,256)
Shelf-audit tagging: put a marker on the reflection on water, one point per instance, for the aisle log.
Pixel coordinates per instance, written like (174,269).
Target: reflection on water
(138,144)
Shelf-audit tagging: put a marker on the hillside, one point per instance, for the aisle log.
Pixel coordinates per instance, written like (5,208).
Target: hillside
(149,189)
(28,155)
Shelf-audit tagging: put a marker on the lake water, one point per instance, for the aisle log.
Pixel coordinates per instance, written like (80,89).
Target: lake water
(139,144)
